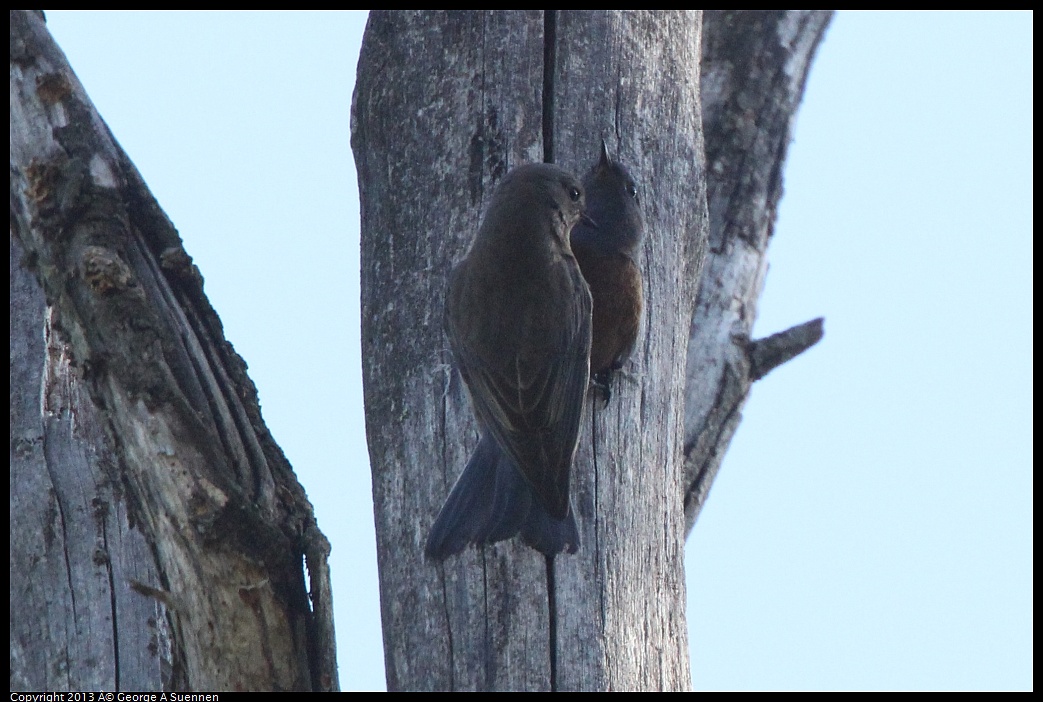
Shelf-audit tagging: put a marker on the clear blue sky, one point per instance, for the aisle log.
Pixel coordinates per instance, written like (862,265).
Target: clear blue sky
(872,524)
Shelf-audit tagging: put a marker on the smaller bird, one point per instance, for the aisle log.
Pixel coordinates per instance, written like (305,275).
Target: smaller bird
(517,314)
(605,244)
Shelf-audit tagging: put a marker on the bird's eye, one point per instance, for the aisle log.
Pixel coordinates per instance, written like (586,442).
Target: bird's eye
(574,194)
(631,190)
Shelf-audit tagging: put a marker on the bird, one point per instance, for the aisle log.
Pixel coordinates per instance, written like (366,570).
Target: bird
(605,243)
(518,321)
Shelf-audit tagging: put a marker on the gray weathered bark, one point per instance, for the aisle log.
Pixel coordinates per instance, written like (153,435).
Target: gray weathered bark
(755,65)
(445,104)
(157,531)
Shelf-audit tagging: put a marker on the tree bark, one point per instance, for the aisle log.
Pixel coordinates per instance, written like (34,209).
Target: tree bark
(157,531)
(445,105)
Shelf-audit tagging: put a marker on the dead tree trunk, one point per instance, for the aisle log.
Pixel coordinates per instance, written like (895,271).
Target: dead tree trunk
(157,531)
(445,104)
(755,65)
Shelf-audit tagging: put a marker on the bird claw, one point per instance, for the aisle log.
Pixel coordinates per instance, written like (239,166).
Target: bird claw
(603,382)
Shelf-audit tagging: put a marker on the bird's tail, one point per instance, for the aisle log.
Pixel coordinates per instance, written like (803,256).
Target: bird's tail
(491,502)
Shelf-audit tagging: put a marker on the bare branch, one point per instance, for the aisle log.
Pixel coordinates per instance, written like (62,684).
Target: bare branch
(772,351)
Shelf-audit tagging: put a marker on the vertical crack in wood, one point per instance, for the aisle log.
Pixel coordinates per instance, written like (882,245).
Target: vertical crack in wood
(112,601)
(552,626)
(550,40)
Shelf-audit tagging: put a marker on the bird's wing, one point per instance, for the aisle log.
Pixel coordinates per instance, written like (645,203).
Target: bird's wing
(532,403)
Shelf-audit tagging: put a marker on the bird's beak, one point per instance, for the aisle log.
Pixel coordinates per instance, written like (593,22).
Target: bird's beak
(586,218)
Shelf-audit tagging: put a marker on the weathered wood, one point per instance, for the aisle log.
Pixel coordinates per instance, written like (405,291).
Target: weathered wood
(445,104)
(754,67)
(157,530)
(633,78)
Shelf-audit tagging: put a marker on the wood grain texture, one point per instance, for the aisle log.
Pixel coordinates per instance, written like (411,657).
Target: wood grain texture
(445,104)
(160,531)
(755,65)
